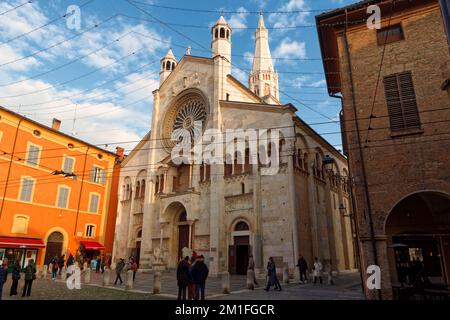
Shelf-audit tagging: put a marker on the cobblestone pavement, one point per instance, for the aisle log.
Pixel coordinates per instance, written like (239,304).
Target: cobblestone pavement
(347,287)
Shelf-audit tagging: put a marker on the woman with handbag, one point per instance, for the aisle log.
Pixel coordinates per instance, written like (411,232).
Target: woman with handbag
(15,278)
(30,276)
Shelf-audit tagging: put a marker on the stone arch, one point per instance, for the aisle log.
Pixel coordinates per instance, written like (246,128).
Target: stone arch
(417,229)
(64,246)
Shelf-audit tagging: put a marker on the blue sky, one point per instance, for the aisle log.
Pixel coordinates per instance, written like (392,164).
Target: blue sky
(98,79)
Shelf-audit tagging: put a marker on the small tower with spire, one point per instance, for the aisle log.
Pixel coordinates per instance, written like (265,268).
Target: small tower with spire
(168,64)
(263,80)
(221,39)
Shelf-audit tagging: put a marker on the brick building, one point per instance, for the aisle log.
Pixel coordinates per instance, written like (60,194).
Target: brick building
(58,194)
(396,131)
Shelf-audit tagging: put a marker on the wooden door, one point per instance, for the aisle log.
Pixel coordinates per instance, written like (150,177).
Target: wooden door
(232,259)
(183,239)
(53,249)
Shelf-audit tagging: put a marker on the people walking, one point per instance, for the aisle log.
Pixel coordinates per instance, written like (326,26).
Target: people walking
(61,262)
(183,278)
(30,276)
(5,266)
(15,278)
(102,263)
(251,268)
(199,275)
(98,265)
(70,263)
(134,268)
(119,269)
(272,276)
(2,280)
(54,266)
(317,270)
(303,268)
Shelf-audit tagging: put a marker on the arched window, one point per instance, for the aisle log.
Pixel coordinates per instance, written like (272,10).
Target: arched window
(305,161)
(123,192)
(216,33)
(228,166)
(222,32)
(163,65)
(142,188)
(138,190)
(228,34)
(157,185)
(242,187)
(139,233)
(168,65)
(238,162)
(127,195)
(20,224)
(247,165)
(241,226)
(173,66)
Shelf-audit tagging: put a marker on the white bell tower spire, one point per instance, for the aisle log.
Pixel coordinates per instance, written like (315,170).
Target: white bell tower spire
(263,80)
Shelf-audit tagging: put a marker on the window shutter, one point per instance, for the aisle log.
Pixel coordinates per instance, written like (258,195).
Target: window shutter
(408,100)
(92,175)
(68,165)
(94,203)
(103,176)
(27,188)
(401,101)
(33,155)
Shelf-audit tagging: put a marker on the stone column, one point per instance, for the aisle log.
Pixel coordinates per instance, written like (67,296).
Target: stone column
(226,282)
(44,271)
(129,284)
(106,277)
(145,263)
(292,199)
(285,275)
(250,279)
(157,283)
(87,275)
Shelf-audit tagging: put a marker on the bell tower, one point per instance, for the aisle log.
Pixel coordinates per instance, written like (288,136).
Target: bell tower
(221,39)
(168,64)
(263,80)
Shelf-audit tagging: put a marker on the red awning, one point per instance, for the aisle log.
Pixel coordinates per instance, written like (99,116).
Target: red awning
(92,245)
(12,242)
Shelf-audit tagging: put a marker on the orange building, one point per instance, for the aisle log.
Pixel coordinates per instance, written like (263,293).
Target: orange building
(58,194)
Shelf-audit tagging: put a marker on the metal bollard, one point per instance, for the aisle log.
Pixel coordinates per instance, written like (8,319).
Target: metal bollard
(157,283)
(129,284)
(296,274)
(251,279)
(285,275)
(225,282)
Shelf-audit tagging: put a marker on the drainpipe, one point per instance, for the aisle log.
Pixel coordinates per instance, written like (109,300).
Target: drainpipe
(361,153)
(81,191)
(10,165)
(354,215)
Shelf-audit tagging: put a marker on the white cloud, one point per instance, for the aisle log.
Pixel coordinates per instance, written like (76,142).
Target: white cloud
(319,83)
(248,56)
(290,49)
(242,76)
(281,20)
(238,20)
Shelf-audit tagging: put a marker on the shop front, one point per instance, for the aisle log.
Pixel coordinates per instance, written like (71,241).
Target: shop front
(21,249)
(90,249)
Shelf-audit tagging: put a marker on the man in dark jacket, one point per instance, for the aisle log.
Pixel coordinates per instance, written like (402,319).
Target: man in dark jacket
(183,277)
(61,261)
(199,274)
(15,278)
(30,275)
(70,263)
(119,269)
(302,267)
